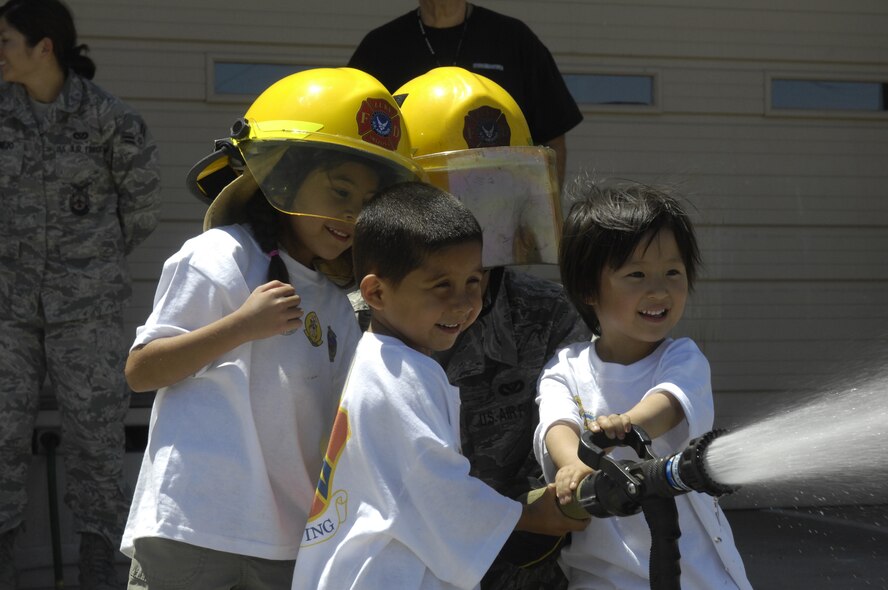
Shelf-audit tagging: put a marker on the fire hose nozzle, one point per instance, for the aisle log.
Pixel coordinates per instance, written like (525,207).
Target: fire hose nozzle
(618,488)
(691,467)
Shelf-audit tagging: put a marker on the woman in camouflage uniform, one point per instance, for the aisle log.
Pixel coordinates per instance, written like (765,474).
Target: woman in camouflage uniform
(79,189)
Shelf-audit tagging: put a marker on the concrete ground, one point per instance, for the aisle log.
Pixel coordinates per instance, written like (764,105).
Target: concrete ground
(814,548)
(782,548)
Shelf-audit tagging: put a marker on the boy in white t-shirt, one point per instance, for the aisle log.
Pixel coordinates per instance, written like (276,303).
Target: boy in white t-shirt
(395,506)
(628,260)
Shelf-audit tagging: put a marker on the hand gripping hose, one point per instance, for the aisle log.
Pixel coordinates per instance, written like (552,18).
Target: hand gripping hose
(623,488)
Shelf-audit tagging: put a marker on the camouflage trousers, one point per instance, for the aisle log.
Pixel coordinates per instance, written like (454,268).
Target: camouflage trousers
(83,361)
(526,548)
(503,576)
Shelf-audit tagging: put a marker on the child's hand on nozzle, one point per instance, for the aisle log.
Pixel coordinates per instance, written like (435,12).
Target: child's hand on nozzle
(615,426)
(544,517)
(568,478)
(271,309)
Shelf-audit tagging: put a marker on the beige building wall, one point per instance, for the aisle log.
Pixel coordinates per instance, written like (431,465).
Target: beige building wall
(792,208)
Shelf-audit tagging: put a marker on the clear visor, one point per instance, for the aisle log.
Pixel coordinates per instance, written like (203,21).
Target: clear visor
(318,179)
(512,191)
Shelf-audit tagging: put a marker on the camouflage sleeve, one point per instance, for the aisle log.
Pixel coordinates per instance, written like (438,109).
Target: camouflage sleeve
(567,326)
(136,173)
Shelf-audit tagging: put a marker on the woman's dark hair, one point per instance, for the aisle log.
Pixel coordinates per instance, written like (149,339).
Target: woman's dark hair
(606,224)
(40,19)
(267,223)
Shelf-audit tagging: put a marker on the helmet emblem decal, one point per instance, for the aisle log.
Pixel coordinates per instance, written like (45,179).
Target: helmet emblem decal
(486,127)
(379,123)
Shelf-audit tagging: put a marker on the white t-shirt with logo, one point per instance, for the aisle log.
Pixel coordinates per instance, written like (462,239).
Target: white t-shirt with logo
(396,506)
(615,552)
(235,450)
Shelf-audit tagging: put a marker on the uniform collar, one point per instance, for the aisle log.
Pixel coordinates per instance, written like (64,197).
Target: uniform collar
(14,96)
(68,100)
(72,94)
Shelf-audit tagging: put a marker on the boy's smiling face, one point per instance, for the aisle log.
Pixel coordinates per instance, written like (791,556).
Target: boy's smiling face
(434,303)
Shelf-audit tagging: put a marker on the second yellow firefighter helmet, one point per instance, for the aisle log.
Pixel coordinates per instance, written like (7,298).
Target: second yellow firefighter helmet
(450,108)
(472,140)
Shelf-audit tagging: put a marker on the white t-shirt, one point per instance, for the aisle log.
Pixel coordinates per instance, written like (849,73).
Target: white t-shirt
(615,552)
(396,506)
(234,451)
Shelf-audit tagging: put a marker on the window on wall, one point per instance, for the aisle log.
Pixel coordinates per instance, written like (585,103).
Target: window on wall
(239,79)
(611,89)
(829,95)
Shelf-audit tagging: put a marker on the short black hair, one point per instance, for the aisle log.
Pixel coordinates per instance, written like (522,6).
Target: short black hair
(604,226)
(405,223)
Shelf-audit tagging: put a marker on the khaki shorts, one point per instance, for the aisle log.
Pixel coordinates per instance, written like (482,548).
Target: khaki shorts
(162,564)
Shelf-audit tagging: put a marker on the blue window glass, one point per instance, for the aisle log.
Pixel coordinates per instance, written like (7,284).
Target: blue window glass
(828,95)
(250,78)
(592,89)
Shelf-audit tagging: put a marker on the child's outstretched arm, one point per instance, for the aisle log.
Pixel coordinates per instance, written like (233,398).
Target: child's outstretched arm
(658,413)
(271,310)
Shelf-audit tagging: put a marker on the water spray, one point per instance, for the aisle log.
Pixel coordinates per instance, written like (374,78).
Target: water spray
(808,445)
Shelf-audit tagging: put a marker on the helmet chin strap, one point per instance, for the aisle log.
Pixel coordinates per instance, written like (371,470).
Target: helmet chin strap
(316,216)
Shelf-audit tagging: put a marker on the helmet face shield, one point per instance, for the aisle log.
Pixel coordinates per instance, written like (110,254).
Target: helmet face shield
(512,191)
(318,179)
(472,140)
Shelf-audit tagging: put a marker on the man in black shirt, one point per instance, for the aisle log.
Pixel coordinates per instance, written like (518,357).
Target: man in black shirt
(499,47)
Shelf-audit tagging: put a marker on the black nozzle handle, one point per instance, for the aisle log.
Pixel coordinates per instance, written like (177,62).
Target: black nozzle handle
(637,439)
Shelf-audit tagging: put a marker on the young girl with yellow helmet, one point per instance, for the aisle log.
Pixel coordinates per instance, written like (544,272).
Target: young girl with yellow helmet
(249,342)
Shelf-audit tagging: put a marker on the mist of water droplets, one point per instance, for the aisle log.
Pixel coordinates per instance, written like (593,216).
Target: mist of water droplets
(838,442)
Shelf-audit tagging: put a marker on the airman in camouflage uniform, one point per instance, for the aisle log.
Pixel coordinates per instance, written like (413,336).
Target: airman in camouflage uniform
(79,189)
(496,364)
(497,361)
(473,140)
